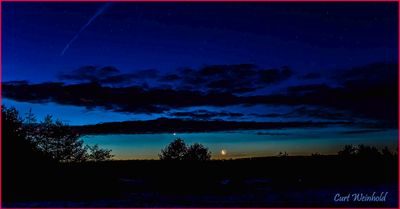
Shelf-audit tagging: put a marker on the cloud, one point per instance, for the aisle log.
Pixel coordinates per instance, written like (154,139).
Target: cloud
(238,78)
(272,134)
(165,125)
(301,89)
(269,115)
(366,92)
(369,91)
(363,131)
(372,73)
(107,75)
(205,115)
(169,78)
(322,113)
(311,112)
(135,99)
(96,74)
(310,76)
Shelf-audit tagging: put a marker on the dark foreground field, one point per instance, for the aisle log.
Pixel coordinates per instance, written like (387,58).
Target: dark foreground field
(263,182)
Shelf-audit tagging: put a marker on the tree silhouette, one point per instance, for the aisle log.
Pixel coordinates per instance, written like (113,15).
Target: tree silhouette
(315,154)
(283,154)
(52,140)
(16,148)
(387,153)
(98,154)
(364,151)
(347,151)
(30,118)
(22,163)
(58,141)
(178,150)
(198,152)
(367,151)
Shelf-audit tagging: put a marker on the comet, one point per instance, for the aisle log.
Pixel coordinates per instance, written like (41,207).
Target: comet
(99,11)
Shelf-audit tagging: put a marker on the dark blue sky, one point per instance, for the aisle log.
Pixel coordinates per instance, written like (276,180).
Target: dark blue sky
(135,36)
(146,42)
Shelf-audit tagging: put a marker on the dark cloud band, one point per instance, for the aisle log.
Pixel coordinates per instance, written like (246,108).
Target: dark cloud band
(368,92)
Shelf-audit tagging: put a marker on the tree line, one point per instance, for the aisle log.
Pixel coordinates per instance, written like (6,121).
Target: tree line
(48,139)
(177,150)
(54,140)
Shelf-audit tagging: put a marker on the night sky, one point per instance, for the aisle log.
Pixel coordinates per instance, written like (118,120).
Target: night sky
(87,63)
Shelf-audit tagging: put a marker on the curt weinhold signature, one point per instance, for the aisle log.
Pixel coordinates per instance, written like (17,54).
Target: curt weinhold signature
(361,197)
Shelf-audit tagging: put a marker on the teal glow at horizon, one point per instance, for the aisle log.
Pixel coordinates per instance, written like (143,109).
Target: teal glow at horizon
(241,144)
